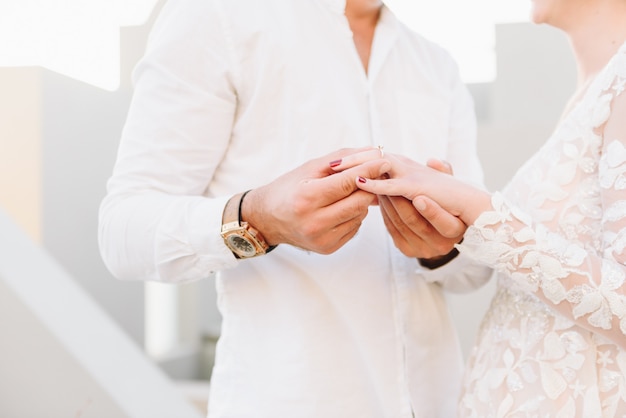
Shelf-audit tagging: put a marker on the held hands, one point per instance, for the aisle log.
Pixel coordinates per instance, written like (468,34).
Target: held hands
(424,232)
(425,186)
(319,206)
(313,207)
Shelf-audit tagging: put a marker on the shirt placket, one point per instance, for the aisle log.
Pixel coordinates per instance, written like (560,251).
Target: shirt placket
(402,299)
(383,42)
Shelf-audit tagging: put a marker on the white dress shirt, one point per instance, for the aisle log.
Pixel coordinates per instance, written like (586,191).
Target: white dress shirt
(230,95)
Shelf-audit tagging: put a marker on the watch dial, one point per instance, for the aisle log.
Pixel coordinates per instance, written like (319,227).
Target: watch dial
(242,246)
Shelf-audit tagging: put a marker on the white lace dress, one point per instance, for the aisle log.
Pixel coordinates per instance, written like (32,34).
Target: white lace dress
(553,343)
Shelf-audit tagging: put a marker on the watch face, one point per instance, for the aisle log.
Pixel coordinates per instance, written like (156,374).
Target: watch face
(241,246)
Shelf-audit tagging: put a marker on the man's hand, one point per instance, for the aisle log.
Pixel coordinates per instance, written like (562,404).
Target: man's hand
(313,207)
(427,232)
(420,229)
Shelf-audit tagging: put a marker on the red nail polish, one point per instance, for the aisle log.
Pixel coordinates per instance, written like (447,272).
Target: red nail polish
(335,163)
(361,179)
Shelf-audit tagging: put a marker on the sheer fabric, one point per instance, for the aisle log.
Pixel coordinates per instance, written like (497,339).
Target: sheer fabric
(553,343)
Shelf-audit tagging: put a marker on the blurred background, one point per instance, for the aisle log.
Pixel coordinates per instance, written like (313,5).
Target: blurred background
(64,91)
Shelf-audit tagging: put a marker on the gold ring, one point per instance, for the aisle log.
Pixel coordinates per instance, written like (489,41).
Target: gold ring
(382,153)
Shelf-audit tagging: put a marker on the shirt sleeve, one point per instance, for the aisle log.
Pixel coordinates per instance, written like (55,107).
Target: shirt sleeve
(155,222)
(461,275)
(583,284)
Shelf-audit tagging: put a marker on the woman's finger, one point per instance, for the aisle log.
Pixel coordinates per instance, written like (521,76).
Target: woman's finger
(358,158)
(440,165)
(389,187)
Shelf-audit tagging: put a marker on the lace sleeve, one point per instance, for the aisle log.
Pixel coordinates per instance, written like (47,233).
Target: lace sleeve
(586,283)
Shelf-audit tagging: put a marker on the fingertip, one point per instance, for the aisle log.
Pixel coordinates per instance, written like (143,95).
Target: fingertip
(382,168)
(419,203)
(335,163)
(440,165)
(385,168)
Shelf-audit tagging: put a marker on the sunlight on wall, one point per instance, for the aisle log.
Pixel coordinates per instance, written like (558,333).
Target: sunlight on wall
(466,29)
(20,148)
(77,38)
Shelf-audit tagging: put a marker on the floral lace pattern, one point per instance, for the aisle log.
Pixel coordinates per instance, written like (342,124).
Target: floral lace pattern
(553,342)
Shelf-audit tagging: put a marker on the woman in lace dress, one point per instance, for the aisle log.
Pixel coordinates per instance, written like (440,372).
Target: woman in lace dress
(553,343)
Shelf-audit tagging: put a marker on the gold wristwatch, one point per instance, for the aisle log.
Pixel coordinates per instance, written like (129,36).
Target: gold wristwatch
(240,237)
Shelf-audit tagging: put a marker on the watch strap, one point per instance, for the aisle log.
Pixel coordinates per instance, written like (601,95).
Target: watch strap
(433,263)
(231,219)
(232,210)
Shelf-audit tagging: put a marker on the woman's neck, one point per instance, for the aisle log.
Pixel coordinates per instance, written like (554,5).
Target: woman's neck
(596,39)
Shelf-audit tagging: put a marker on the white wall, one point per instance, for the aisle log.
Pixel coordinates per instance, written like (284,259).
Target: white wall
(58,137)
(20,146)
(58,141)
(61,355)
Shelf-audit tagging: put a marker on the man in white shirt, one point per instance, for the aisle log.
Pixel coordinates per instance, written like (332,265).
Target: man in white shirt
(323,314)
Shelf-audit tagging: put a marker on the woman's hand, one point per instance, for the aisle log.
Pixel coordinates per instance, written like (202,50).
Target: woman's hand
(420,184)
(423,186)
(428,232)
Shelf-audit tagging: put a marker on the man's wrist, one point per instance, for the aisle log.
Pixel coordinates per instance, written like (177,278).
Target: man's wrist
(244,216)
(436,262)
(242,238)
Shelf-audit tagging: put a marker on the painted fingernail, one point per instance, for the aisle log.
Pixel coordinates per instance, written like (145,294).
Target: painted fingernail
(361,179)
(335,163)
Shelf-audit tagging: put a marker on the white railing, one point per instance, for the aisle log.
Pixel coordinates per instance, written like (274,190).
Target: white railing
(61,355)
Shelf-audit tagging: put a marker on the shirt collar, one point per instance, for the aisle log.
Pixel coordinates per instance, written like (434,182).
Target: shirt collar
(337,6)
(384,40)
